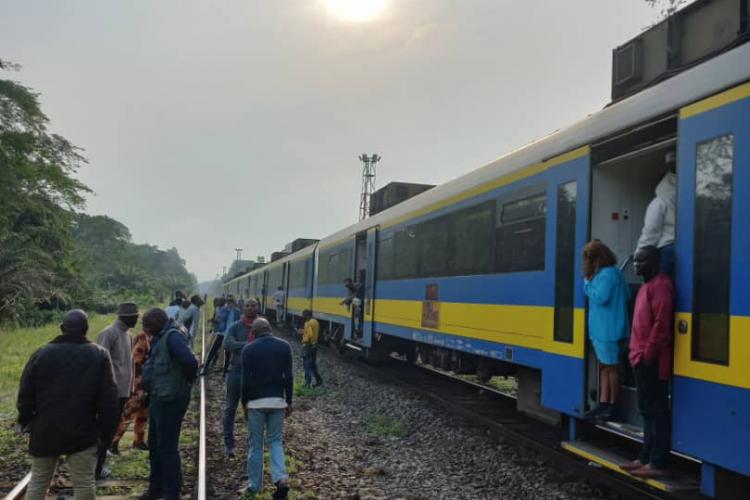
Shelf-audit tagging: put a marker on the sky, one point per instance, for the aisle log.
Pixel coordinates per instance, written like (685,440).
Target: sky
(213,125)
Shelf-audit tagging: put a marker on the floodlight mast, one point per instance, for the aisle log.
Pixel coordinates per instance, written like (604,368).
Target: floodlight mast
(368,183)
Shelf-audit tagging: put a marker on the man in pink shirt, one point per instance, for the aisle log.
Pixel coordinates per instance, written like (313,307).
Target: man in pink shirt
(651,359)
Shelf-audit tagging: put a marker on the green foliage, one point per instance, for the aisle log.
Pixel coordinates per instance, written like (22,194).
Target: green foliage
(384,426)
(52,257)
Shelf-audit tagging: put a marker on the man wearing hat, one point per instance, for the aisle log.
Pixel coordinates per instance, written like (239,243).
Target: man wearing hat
(117,341)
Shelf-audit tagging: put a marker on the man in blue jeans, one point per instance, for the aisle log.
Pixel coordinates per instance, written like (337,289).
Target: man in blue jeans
(238,335)
(267,387)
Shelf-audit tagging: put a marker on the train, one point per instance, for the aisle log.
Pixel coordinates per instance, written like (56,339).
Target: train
(483,274)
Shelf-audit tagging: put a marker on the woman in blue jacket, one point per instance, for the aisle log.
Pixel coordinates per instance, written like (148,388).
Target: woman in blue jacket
(608,321)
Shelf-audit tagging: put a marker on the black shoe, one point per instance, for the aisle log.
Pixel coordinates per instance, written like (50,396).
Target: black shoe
(141,446)
(113,450)
(104,474)
(318,383)
(282,490)
(596,411)
(609,414)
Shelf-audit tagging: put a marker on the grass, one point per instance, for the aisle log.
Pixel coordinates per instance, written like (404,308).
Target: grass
(386,427)
(310,392)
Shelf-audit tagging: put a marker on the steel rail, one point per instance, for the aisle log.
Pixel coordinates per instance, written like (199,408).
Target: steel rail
(20,489)
(201,487)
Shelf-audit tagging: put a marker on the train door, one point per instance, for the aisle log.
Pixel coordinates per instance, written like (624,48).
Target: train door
(368,304)
(264,293)
(283,283)
(711,380)
(360,279)
(627,170)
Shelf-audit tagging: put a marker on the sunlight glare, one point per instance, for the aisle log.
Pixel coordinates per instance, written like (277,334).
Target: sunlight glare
(356,10)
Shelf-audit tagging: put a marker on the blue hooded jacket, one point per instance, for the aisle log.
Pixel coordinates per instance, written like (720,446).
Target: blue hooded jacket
(608,295)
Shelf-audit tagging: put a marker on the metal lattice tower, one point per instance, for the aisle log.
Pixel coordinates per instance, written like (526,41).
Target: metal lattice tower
(368,183)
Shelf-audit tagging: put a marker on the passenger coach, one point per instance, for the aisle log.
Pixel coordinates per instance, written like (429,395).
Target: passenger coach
(483,274)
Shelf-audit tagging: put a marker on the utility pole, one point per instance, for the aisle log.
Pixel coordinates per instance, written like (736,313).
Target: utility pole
(239,253)
(368,183)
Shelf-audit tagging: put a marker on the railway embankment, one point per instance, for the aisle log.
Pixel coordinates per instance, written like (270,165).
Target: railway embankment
(362,437)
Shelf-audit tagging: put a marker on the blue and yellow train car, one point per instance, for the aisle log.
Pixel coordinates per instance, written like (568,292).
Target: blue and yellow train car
(483,273)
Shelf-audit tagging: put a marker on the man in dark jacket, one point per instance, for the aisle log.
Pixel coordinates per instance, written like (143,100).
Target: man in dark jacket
(267,387)
(67,399)
(167,379)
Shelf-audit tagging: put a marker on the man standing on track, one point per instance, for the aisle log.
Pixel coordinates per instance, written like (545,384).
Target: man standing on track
(68,398)
(227,315)
(310,335)
(135,409)
(267,387)
(651,359)
(117,341)
(238,336)
(167,378)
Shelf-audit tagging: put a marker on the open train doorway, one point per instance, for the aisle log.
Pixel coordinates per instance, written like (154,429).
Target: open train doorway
(627,171)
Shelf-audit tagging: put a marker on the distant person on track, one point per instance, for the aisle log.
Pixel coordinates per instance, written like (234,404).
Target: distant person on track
(239,334)
(135,409)
(118,342)
(189,317)
(167,378)
(227,315)
(310,334)
(68,399)
(608,296)
(278,299)
(651,359)
(267,388)
(175,305)
(659,222)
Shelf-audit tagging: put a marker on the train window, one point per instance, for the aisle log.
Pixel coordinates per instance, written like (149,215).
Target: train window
(405,246)
(472,230)
(712,250)
(435,247)
(565,258)
(519,236)
(384,267)
(297,275)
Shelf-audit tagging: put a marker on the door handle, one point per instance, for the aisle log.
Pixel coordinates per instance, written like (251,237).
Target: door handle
(682,326)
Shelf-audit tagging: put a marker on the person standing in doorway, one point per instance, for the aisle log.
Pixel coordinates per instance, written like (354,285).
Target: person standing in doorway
(238,336)
(278,299)
(167,379)
(659,222)
(118,342)
(310,334)
(608,296)
(651,359)
(67,399)
(267,388)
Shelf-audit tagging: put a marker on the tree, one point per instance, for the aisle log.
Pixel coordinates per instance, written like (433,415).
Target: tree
(37,197)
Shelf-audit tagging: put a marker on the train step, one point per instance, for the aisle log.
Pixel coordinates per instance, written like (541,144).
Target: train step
(677,482)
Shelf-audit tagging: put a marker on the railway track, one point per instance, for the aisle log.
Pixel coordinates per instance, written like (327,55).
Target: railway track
(495,411)
(125,488)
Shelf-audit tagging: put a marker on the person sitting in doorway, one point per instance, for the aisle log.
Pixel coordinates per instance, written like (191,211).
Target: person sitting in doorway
(659,222)
(651,359)
(608,296)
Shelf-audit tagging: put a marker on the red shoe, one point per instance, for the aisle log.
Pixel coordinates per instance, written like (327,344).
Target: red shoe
(648,472)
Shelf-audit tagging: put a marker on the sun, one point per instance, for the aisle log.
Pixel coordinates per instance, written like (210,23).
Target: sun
(356,10)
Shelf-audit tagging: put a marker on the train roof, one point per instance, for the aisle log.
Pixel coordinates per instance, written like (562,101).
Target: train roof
(726,70)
